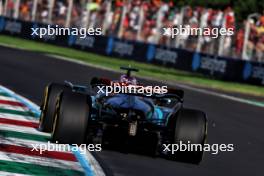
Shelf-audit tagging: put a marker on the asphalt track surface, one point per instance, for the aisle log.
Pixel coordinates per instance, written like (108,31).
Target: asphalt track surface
(232,122)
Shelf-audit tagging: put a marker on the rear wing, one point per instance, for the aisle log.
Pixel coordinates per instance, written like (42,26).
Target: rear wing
(129,70)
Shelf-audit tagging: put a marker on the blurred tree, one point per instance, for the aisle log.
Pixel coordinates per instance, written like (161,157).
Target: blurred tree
(245,7)
(242,7)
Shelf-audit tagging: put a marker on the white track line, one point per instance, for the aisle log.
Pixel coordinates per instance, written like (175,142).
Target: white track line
(2,173)
(11,107)
(7,98)
(21,129)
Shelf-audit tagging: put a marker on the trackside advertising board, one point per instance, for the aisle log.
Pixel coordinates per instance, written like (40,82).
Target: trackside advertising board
(222,68)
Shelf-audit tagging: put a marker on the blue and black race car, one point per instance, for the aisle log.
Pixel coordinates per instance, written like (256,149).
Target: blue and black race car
(130,121)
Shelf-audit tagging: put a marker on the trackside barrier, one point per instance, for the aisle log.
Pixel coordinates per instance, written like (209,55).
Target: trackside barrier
(230,69)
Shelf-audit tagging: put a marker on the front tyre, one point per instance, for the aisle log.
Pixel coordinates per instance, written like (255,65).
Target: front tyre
(71,118)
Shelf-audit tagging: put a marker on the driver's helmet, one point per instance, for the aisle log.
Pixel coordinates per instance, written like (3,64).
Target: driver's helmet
(128,80)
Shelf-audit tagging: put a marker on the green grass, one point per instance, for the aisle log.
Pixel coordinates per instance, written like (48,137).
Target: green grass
(146,70)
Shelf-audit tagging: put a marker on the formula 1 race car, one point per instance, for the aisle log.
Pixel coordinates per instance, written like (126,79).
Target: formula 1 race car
(75,114)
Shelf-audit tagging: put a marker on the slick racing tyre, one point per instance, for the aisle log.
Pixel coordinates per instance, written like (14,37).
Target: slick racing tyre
(190,128)
(71,118)
(48,105)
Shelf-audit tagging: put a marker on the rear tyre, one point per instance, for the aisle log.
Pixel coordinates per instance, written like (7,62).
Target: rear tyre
(71,118)
(48,106)
(190,128)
